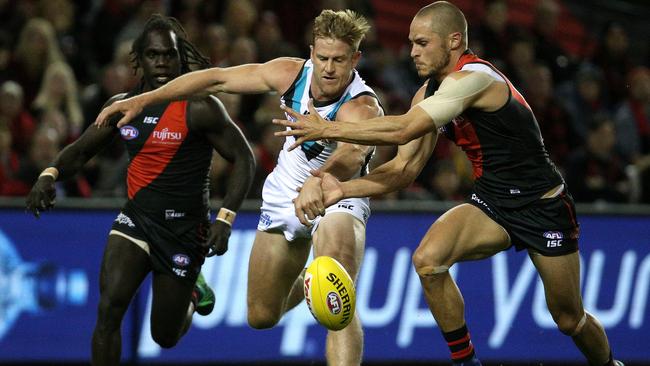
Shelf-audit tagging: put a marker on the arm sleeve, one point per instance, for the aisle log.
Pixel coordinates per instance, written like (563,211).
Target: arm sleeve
(453,96)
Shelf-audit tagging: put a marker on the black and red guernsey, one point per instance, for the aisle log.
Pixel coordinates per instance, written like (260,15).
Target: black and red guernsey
(169,164)
(510,164)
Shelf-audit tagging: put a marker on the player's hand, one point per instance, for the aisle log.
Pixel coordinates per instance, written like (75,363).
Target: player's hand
(305,127)
(129,108)
(330,187)
(309,203)
(42,196)
(218,238)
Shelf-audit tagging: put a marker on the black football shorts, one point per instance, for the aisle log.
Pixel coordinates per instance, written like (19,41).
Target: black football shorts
(173,238)
(548,226)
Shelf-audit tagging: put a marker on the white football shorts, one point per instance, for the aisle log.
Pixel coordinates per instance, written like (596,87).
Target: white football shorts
(278,213)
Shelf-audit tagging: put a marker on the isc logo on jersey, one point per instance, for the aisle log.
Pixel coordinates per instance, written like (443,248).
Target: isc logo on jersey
(150,120)
(129,132)
(329,293)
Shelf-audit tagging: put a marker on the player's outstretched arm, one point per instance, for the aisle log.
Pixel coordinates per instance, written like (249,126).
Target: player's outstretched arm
(393,175)
(195,83)
(245,79)
(209,117)
(67,163)
(458,91)
(386,130)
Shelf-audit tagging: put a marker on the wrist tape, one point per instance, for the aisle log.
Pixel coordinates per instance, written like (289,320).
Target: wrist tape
(226,216)
(51,172)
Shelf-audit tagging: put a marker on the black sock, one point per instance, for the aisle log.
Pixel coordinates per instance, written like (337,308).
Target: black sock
(460,344)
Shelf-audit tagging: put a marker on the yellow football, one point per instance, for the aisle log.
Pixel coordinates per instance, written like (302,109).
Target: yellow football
(329,293)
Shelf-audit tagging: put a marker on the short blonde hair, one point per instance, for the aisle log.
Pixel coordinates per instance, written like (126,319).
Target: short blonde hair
(345,25)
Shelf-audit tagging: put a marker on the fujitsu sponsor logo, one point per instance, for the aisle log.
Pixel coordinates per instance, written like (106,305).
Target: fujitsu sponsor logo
(166,135)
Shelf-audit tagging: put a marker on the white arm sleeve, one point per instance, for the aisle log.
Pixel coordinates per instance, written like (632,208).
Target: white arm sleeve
(452,97)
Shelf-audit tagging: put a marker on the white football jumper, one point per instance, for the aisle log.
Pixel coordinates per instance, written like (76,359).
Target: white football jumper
(293,167)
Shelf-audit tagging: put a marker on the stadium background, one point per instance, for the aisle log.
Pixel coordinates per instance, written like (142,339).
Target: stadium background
(581,65)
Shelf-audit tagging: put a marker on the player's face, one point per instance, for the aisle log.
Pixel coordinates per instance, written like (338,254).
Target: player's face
(160,59)
(429,51)
(333,62)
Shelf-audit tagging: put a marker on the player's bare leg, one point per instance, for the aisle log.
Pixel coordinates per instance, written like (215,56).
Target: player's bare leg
(297,293)
(169,309)
(342,237)
(201,301)
(124,267)
(561,278)
(462,233)
(273,267)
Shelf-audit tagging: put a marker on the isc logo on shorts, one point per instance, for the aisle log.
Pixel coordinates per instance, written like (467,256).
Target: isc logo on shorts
(181,260)
(180,272)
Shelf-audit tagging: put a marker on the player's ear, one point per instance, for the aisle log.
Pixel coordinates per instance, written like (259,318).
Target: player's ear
(455,40)
(311,51)
(356,56)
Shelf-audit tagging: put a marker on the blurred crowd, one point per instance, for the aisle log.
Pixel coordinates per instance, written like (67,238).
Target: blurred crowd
(60,60)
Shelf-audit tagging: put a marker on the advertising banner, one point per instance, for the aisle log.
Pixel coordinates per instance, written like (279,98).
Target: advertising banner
(505,306)
(49,288)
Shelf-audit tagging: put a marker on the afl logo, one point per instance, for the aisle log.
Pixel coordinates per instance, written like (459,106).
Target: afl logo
(181,260)
(129,132)
(334,303)
(553,235)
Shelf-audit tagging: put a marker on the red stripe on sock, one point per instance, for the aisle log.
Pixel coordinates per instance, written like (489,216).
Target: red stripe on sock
(463,353)
(459,341)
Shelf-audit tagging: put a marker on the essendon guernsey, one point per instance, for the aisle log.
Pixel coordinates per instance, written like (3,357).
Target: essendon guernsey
(510,164)
(169,164)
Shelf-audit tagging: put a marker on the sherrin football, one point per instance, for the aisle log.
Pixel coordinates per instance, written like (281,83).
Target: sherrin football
(329,293)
